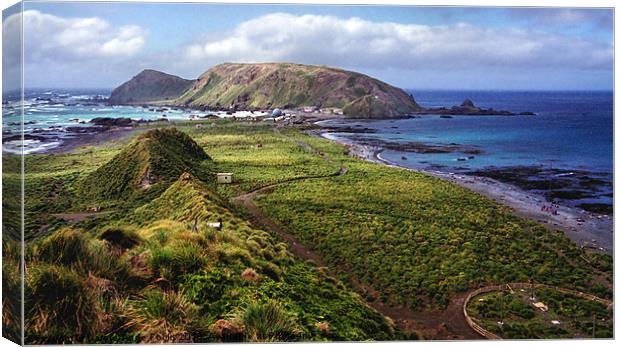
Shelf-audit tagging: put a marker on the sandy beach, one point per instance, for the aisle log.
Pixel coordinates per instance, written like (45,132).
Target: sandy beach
(592,231)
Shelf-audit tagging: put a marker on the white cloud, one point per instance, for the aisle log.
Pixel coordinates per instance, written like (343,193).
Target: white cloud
(48,37)
(360,43)
(63,51)
(11,52)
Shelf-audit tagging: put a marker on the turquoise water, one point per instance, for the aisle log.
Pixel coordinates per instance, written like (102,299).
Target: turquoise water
(52,117)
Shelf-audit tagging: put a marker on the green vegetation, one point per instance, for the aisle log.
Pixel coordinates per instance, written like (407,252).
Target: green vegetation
(158,156)
(419,239)
(267,322)
(11,250)
(151,268)
(574,316)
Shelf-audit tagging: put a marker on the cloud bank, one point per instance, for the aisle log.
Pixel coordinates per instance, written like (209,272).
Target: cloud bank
(92,52)
(74,52)
(360,43)
(49,37)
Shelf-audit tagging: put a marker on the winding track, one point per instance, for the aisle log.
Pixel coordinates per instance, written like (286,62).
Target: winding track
(442,325)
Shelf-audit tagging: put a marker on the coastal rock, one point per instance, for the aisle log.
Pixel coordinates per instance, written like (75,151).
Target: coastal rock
(468,108)
(26,137)
(88,130)
(467,103)
(109,121)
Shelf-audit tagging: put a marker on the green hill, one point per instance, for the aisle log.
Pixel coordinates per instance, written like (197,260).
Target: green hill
(148,86)
(271,85)
(157,156)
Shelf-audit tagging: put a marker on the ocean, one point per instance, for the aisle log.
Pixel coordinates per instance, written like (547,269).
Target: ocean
(53,117)
(564,152)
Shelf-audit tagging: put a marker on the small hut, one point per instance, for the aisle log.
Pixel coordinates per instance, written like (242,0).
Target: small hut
(225,178)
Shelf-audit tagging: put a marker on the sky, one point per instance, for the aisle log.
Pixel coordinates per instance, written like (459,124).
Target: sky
(91,45)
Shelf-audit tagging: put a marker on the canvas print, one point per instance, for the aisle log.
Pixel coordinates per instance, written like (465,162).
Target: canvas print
(202,173)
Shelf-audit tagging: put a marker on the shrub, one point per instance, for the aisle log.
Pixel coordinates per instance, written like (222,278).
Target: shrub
(60,306)
(64,247)
(181,257)
(120,237)
(161,316)
(250,275)
(268,322)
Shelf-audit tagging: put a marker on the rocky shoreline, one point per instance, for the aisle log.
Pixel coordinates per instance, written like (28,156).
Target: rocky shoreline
(588,229)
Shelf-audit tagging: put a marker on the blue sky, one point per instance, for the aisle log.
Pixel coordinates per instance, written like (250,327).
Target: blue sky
(104,44)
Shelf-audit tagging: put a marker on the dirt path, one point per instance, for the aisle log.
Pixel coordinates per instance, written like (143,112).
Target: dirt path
(78,217)
(448,324)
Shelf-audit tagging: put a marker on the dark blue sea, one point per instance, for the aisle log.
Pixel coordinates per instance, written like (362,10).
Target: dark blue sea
(565,151)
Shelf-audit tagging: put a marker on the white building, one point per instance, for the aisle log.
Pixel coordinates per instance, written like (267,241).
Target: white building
(225,178)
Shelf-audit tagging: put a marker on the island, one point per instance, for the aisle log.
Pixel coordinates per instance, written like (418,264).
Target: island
(467,108)
(270,85)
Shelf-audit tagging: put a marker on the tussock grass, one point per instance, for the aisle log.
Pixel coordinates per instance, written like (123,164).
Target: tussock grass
(268,322)
(66,247)
(158,156)
(123,238)
(59,305)
(160,315)
(11,290)
(178,258)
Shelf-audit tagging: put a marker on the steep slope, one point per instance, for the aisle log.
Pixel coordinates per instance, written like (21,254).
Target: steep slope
(149,86)
(187,199)
(245,265)
(157,156)
(271,85)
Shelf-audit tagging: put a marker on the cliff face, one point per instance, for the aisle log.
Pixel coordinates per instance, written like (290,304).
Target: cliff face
(150,86)
(271,85)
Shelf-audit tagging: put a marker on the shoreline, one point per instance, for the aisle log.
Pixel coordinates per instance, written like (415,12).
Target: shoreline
(588,230)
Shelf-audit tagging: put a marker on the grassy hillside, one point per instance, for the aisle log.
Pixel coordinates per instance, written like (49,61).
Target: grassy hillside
(156,272)
(155,158)
(271,85)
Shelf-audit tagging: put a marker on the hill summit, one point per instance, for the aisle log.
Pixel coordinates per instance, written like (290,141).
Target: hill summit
(157,156)
(150,85)
(274,85)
